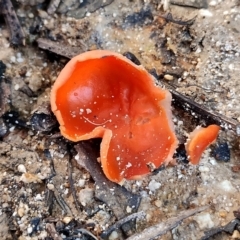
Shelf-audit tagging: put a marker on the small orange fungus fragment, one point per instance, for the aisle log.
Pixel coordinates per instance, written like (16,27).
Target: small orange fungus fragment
(199,140)
(102,94)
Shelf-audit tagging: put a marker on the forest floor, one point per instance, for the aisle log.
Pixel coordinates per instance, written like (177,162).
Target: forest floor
(45,193)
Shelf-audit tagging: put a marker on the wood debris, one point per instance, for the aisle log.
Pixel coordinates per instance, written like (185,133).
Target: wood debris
(16,31)
(228,228)
(190,3)
(161,228)
(114,195)
(209,116)
(60,49)
(169,18)
(52,231)
(122,221)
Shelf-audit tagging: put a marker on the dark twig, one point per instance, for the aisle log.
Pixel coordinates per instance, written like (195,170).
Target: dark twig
(55,135)
(17,34)
(48,156)
(163,227)
(119,223)
(229,228)
(61,202)
(52,232)
(61,49)
(169,18)
(85,232)
(115,196)
(49,200)
(189,105)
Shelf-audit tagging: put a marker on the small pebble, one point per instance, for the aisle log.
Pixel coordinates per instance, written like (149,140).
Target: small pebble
(21,168)
(223,214)
(227,186)
(113,235)
(13,59)
(86,196)
(168,77)
(38,197)
(67,220)
(213,3)
(204,169)
(158,203)
(204,220)
(153,185)
(129,209)
(236,234)
(205,13)
(16,87)
(81,182)
(50,186)
(30,15)
(21,212)
(29,230)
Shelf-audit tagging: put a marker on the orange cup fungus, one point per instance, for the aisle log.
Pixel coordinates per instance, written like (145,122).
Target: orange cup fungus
(102,94)
(199,140)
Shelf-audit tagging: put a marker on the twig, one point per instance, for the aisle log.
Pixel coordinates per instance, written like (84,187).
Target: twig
(119,223)
(48,156)
(190,3)
(61,49)
(161,228)
(169,18)
(85,232)
(17,34)
(61,202)
(188,105)
(228,228)
(115,196)
(55,135)
(52,232)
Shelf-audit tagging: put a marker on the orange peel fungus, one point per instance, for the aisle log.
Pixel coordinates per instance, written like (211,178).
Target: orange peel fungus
(102,94)
(199,140)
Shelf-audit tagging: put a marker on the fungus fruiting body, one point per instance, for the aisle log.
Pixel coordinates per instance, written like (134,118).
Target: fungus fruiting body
(199,140)
(102,94)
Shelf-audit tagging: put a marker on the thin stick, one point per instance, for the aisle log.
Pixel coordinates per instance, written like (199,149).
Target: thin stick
(52,232)
(163,227)
(119,223)
(169,18)
(17,34)
(61,49)
(85,232)
(61,202)
(189,105)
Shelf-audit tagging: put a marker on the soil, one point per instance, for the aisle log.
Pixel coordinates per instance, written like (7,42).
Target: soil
(200,60)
